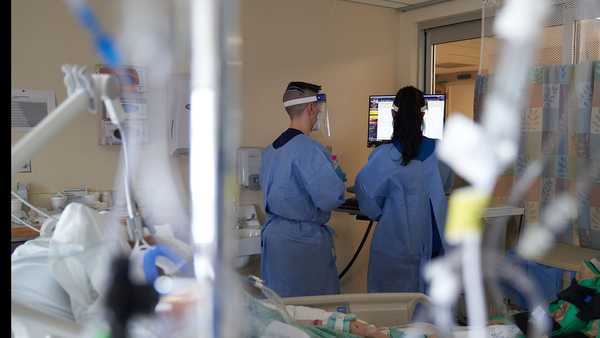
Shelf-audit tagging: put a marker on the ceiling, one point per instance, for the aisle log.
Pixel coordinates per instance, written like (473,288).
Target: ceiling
(463,56)
(403,5)
(459,56)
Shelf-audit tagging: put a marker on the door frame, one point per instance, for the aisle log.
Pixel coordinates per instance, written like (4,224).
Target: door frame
(468,26)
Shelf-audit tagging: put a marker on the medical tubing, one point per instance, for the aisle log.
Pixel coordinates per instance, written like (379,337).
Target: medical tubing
(473,284)
(511,273)
(505,100)
(490,276)
(498,225)
(360,246)
(109,53)
(443,318)
(482,39)
(128,197)
(504,269)
(506,97)
(415,328)
(508,272)
(446,319)
(17,196)
(150,257)
(441,310)
(272,297)
(104,44)
(25,223)
(502,116)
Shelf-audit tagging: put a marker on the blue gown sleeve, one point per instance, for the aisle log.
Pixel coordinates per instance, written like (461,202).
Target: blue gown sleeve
(325,188)
(370,202)
(447,176)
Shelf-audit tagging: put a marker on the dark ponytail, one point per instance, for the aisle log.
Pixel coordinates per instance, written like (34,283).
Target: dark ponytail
(408,122)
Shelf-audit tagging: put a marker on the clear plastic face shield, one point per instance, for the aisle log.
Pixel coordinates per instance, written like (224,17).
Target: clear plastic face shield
(322,124)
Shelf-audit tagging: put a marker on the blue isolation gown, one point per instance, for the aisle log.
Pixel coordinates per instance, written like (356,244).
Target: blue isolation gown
(300,190)
(410,205)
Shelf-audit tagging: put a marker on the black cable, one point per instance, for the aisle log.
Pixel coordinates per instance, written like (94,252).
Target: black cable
(126,299)
(360,246)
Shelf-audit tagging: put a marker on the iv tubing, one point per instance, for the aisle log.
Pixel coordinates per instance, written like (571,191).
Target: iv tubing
(17,196)
(481,41)
(473,284)
(25,223)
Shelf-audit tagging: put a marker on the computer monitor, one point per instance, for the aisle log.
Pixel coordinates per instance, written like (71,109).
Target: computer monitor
(381,122)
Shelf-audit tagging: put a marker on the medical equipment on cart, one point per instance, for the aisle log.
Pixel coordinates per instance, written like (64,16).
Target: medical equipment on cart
(249,167)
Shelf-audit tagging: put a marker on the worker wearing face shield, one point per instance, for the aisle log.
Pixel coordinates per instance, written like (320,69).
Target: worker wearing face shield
(401,187)
(301,187)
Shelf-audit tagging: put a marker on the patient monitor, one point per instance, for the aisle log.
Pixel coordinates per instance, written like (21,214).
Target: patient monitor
(381,123)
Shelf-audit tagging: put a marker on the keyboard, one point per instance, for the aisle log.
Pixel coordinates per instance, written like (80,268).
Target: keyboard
(350,206)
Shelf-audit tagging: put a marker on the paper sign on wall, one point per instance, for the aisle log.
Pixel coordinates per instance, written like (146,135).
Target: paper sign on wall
(26,168)
(133,100)
(29,107)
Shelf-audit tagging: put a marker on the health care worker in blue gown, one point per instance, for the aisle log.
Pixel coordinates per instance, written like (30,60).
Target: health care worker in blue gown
(301,187)
(401,187)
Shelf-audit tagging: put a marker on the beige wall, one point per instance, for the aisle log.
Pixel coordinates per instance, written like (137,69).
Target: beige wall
(43,37)
(461,95)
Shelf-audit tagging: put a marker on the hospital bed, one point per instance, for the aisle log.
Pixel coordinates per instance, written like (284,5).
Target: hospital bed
(29,321)
(380,309)
(389,310)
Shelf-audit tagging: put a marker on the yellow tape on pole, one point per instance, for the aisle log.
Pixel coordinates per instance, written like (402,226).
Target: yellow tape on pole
(465,210)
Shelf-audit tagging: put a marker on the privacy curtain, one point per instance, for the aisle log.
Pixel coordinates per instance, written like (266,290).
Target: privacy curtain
(564,105)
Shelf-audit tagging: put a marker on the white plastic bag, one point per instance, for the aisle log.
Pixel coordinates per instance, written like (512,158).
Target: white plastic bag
(33,283)
(81,249)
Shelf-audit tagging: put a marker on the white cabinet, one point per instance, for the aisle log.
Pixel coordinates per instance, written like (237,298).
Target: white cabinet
(179,121)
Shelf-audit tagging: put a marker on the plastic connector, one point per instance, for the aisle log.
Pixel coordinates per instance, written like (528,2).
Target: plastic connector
(465,210)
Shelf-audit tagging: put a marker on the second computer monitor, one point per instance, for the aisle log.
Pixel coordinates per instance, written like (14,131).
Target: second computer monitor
(381,122)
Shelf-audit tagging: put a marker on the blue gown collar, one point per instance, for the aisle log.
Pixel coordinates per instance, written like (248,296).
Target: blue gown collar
(286,137)
(426,148)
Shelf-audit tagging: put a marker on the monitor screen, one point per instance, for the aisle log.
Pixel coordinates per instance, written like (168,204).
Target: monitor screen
(381,122)
(434,116)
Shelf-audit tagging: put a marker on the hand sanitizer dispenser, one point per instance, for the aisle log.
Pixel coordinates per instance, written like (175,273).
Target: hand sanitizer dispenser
(249,167)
